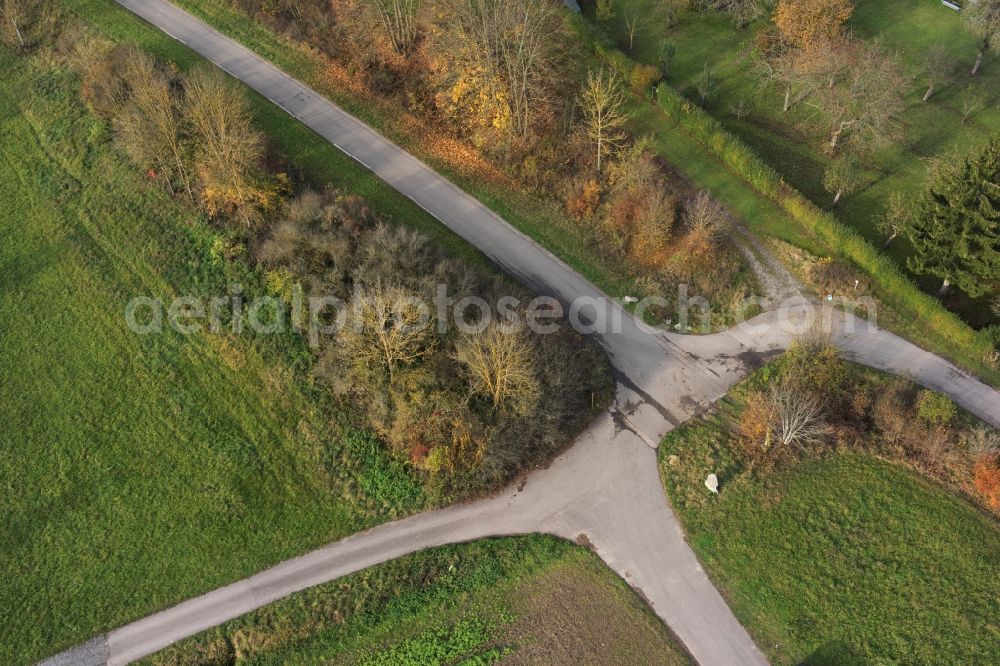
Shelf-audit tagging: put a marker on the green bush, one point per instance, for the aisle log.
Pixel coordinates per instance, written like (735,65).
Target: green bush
(935,409)
(383,478)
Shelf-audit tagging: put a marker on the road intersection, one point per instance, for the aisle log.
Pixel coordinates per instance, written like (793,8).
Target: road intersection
(605,490)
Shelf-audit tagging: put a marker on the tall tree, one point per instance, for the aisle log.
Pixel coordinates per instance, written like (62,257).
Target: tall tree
(604,114)
(982,18)
(399,19)
(633,24)
(514,47)
(955,231)
(229,149)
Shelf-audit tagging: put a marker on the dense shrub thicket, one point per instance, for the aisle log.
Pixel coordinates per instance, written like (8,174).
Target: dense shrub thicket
(469,409)
(463,411)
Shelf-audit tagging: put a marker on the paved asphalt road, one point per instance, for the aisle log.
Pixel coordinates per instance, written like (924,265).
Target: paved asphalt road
(605,489)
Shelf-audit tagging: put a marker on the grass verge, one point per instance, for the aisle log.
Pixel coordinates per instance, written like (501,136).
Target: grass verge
(520,600)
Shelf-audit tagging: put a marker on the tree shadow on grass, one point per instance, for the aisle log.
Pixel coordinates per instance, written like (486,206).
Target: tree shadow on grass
(835,653)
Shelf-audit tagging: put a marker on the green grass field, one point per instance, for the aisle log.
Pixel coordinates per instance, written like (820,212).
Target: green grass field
(839,559)
(137,470)
(795,143)
(524,600)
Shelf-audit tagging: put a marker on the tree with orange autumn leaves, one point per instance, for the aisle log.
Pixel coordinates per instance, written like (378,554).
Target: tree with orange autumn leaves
(807,23)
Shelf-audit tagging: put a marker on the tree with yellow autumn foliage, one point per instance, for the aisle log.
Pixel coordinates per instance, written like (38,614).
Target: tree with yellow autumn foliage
(229,149)
(505,53)
(604,114)
(499,362)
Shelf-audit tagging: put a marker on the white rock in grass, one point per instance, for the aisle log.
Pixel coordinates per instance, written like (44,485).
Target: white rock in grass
(712,483)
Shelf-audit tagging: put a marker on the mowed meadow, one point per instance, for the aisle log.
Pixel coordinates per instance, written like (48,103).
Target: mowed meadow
(875,542)
(137,470)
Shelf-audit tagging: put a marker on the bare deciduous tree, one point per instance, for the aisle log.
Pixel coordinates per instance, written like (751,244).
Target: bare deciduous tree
(706,216)
(499,362)
(666,56)
(785,64)
(22,21)
(632,26)
(668,11)
(604,115)
(842,177)
(388,327)
(744,12)
(704,83)
(516,47)
(936,445)
(973,101)
(937,69)
(894,221)
(983,19)
(983,441)
(797,417)
(868,101)
(228,147)
(399,19)
(13,14)
(149,126)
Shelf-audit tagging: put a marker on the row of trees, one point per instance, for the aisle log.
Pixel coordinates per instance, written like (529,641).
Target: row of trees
(192,132)
(498,75)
